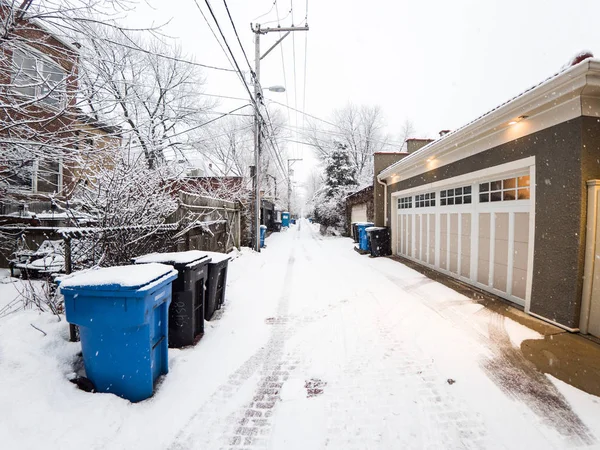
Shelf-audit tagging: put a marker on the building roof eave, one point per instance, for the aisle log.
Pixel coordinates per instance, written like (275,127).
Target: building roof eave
(582,79)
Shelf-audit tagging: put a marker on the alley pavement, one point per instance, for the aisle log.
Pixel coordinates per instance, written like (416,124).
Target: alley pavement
(337,350)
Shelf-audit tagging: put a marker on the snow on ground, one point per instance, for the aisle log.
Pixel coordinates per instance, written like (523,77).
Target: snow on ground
(316,347)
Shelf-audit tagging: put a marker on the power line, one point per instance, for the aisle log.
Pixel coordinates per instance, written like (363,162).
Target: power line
(333,133)
(240,73)
(215,35)
(268,12)
(237,35)
(209,122)
(305,64)
(287,98)
(294,56)
(278,21)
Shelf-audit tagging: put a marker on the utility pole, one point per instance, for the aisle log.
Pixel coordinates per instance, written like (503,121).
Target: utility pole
(289,172)
(257,30)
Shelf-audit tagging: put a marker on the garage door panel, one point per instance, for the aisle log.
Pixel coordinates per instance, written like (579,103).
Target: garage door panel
(465,266)
(519,283)
(500,276)
(444,241)
(520,255)
(424,238)
(521,227)
(465,231)
(409,236)
(431,238)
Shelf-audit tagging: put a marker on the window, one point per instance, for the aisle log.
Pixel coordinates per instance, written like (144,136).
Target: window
(405,203)
(516,188)
(425,200)
(38,77)
(456,196)
(31,168)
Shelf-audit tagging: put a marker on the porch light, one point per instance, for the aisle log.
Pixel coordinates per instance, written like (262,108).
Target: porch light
(517,120)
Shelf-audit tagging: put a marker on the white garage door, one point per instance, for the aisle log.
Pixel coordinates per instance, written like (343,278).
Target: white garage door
(359,213)
(477,231)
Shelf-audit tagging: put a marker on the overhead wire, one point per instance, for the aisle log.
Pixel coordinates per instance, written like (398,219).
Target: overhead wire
(237,66)
(287,97)
(215,36)
(255,101)
(305,64)
(294,56)
(391,143)
(237,35)
(268,12)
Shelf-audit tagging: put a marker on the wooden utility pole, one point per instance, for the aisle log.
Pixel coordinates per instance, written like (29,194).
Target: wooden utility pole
(258,31)
(289,174)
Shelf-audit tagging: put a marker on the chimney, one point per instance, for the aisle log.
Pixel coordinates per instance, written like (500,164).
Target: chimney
(412,144)
(444,132)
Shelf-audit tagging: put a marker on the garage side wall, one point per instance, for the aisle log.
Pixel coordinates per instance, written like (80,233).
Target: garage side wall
(559,209)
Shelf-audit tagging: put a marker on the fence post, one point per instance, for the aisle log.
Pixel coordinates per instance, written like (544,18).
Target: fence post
(73,334)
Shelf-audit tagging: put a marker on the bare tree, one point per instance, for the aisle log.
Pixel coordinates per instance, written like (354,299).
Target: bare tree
(360,129)
(155,100)
(407,131)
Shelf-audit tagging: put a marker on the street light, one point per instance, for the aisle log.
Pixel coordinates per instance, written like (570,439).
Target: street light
(275,88)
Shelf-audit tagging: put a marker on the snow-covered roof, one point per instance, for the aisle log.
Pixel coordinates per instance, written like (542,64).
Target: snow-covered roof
(540,97)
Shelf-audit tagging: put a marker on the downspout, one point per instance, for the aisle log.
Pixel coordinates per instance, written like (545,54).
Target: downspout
(385,213)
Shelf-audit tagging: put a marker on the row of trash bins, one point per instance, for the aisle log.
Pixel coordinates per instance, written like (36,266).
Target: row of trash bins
(372,239)
(129,316)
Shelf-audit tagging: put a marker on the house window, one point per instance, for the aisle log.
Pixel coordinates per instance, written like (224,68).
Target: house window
(516,188)
(39,78)
(405,203)
(456,196)
(31,168)
(425,200)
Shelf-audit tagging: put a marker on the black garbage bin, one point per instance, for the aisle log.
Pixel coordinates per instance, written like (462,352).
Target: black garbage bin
(187,310)
(216,282)
(354,231)
(277,226)
(380,240)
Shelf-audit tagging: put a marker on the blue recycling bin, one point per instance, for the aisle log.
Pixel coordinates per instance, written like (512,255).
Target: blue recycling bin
(122,314)
(363,239)
(263,233)
(285,219)
(293,221)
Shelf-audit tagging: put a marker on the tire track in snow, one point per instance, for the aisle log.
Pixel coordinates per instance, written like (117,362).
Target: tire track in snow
(248,426)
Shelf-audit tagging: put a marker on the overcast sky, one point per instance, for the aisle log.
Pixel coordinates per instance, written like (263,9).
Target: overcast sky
(438,63)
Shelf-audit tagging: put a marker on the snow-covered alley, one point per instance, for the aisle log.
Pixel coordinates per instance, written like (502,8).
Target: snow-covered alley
(316,347)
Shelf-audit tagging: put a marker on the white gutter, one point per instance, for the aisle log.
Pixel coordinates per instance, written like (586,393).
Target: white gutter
(571,82)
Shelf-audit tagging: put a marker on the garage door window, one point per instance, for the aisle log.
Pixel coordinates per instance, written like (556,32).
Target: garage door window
(504,190)
(405,202)
(425,200)
(456,196)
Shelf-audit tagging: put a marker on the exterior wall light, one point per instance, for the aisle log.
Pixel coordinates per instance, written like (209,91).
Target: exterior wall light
(517,120)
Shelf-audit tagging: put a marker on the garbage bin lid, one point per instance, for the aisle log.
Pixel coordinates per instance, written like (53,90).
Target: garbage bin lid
(217,257)
(117,278)
(171,257)
(374,228)
(263,227)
